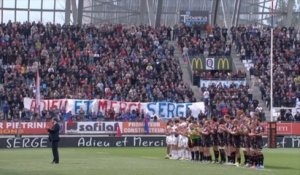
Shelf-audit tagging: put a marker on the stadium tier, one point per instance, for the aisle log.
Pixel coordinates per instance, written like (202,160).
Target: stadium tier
(113,62)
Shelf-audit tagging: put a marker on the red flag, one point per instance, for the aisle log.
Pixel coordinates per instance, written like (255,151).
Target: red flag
(70,121)
(118,131)
(37,93)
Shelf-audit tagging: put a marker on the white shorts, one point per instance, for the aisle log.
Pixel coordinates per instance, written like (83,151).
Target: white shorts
(182,141)
(169,140)
(172,140)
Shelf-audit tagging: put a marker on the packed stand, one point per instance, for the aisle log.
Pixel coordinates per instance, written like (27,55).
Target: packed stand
(212,41)
(221,100)
(288,115)
(115,62)
(253,43)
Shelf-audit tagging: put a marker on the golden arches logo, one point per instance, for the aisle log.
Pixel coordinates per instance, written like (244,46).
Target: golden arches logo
(223,64)
(197,64)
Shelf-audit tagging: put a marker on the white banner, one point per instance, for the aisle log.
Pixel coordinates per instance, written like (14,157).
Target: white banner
(162,109)
(207,83)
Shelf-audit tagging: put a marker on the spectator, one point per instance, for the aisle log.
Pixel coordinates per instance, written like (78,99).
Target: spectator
(112,62)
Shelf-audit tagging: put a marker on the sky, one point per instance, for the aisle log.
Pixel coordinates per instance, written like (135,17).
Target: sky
(34,15)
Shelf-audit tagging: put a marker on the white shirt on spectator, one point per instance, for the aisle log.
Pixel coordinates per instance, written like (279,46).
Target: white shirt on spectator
(206,94)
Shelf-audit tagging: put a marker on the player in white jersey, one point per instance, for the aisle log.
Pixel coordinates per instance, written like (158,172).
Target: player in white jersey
(183,140)
(174,142)
(169,138)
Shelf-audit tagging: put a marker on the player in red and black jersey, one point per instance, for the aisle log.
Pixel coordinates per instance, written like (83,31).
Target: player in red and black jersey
(229,140)
(206,131)
(245,127)
(257,145)
(236,139)
(222,139)
(214,138)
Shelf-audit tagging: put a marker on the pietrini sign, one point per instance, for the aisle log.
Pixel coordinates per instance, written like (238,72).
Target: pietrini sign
(211,63)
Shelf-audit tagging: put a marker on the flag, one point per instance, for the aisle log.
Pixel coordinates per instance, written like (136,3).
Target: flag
(118,131)
(37,93)
(146,127)
(68,117)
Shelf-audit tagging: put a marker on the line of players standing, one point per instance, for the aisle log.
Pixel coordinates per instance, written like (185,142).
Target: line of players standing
(188,139)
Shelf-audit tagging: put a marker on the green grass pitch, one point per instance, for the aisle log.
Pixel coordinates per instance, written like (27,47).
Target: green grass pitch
(133,161)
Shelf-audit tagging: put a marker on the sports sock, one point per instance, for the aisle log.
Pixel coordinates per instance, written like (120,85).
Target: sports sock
(246,159)
(197,155)
(222,153)
(233,157)
(193,155)
(216,156)
(201,156)
(239,159)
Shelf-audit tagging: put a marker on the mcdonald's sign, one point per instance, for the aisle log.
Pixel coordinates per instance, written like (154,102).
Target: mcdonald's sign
(223,64)
(220,63)
(197,64)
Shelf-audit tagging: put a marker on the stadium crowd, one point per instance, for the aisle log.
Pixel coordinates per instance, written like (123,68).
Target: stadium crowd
(116,62)
(220,99)
(253,43)
(136,63)
(286,115)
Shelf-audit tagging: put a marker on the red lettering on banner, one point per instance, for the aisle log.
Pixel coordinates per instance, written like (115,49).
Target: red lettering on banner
(66,102)
(112,103)
(54,105)
(123,106)
(60,102)
(102,105)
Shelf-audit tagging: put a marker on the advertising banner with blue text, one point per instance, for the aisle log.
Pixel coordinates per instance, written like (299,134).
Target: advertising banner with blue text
(207,83)
(194,17)
(162,109)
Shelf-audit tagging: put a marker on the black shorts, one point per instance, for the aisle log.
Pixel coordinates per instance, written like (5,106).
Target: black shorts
(207,141)
(236,141)
(222,141)
(258,144)
(215,140)
(229,140)
(194,142)
(246,142)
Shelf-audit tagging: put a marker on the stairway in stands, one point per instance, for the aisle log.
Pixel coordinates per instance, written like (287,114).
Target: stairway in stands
(253,82)
(185,70)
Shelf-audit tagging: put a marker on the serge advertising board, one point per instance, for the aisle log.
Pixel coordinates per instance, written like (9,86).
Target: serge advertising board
(42,142)
(132,141)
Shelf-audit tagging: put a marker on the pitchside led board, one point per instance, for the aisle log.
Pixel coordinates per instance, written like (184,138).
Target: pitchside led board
(211,63)
(194,17)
